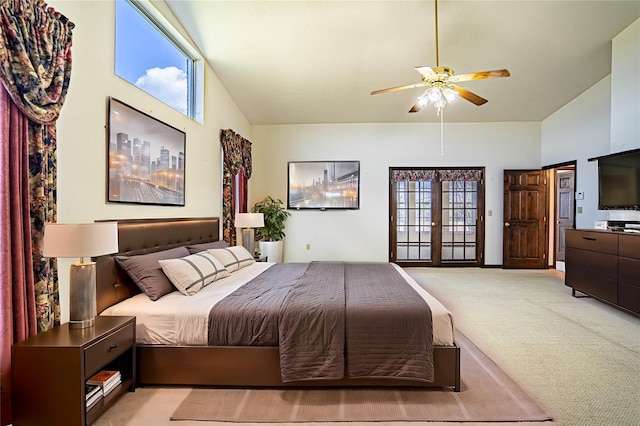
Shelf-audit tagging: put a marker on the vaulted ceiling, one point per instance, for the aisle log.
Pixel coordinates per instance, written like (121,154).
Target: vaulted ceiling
(295,62)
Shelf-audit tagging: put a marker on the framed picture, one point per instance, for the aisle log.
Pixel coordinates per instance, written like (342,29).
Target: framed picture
(323,185)
(146,158)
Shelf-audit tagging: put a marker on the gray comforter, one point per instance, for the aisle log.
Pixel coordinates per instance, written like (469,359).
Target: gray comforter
(331,320)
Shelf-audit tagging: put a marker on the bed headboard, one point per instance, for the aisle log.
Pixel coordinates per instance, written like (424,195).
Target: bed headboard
(141,236)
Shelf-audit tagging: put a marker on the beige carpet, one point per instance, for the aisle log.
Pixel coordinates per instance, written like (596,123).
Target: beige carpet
(488,395)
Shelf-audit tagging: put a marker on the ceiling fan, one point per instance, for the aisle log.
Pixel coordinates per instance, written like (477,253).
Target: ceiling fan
(439,82)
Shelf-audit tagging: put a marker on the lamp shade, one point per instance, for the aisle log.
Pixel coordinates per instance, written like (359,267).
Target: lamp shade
(249,220)
(80,239)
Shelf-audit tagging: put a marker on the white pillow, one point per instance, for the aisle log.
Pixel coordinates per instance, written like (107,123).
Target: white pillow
(192,273)
(233,258)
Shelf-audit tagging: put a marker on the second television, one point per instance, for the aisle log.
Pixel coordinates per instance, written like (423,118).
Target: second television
(323,185)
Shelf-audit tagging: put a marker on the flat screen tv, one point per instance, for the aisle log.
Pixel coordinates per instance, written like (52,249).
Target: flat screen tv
(619,181)
(324,185)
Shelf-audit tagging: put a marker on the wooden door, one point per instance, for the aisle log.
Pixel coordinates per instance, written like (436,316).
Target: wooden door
(565,190)
(525,223)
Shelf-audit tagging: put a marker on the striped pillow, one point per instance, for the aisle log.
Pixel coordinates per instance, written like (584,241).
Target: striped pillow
(192,273)
(233,258)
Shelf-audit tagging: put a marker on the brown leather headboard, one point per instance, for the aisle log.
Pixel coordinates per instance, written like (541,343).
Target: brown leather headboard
(140,236)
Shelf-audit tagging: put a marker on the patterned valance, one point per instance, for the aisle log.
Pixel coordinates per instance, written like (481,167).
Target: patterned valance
(237,152)
(436,175)
(35,57)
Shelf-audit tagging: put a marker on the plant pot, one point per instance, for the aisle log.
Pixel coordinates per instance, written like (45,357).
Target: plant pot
(272,249)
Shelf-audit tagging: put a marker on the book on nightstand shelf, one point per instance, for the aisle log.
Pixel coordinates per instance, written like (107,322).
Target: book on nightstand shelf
(111,386)
(90,390)
(94,399)
(106,380)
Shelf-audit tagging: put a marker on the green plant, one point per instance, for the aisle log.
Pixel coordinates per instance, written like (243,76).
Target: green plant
(274,218)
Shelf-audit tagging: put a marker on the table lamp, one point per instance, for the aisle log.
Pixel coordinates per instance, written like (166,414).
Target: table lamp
(81,240)
(249,221)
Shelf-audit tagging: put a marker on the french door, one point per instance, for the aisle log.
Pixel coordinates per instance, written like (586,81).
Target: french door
(436,216)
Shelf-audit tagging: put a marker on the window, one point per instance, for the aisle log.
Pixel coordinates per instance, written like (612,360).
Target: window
(152,56)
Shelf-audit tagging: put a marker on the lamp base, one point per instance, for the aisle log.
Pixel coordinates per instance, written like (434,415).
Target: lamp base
(82,295)
(82,324)
(249,240)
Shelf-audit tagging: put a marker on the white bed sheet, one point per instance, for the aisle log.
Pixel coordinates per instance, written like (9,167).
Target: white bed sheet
(176,319)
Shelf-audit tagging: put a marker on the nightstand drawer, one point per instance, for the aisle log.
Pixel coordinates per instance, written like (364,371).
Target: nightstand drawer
(102,352)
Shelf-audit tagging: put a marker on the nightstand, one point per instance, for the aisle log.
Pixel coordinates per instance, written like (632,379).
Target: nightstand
(49,371)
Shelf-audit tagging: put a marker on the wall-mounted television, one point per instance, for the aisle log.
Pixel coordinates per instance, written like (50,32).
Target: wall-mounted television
(619,181)
(323,185)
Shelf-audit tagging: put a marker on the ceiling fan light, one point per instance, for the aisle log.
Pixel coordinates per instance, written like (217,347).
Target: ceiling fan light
(435,94)
(423,100)
(440,103)
(450,94)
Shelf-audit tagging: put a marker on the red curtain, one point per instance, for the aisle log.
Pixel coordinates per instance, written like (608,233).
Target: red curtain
(17,293)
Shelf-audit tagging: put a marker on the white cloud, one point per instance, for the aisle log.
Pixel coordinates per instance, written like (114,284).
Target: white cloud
(167,84)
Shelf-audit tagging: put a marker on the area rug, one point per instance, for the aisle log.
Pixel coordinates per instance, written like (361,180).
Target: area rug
(487,395)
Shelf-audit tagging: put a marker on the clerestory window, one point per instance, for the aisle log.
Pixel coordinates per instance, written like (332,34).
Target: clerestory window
(153,56)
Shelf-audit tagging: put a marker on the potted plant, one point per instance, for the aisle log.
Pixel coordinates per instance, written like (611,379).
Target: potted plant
(271,235)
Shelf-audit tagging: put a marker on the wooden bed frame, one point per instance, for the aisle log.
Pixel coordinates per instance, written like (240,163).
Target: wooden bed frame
(214,365)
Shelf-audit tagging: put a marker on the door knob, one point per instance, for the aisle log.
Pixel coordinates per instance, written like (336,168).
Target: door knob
(507,224)
(433,223)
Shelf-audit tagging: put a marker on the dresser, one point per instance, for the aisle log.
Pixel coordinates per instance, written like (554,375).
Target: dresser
(605,265)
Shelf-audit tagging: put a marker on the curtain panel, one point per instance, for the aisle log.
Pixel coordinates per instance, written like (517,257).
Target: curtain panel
(237,161)
(35,70)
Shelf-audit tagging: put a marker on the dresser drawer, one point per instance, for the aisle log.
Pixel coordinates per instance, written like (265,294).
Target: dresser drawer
(629,270)
(111,346)
(598,263)
(629,297)
(629,246)
(601,242)
(595,285)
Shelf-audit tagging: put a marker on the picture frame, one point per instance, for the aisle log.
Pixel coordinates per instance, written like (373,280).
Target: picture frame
(146,158)
(323,185)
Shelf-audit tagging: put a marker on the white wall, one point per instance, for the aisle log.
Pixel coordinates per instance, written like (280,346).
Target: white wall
(625,89)
(363,234)
(578,131)
(82,131)
(603,119)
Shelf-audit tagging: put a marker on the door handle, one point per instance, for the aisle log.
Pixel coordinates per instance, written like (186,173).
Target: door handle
(507,224)
(433,223)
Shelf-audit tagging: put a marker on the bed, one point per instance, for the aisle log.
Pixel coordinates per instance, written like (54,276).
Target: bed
(163,359)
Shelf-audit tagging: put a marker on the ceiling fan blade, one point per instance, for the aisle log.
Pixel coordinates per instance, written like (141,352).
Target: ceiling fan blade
(426,72)
(416,107)
(470,96)
(394,89)
(480,75)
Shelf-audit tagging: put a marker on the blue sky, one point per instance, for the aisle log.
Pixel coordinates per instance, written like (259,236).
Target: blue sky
(147,59)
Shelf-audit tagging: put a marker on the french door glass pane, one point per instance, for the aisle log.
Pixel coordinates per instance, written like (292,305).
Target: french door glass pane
(413,220)
(459,220)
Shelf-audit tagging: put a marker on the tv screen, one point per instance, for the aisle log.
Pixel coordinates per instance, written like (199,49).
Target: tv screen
(324,185)
(619,181)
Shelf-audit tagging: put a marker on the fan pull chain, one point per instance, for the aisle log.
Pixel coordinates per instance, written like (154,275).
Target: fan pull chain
(441,113)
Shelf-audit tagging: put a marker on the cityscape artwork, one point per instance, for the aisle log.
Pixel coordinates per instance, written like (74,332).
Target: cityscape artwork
(324,185)
(146,158)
